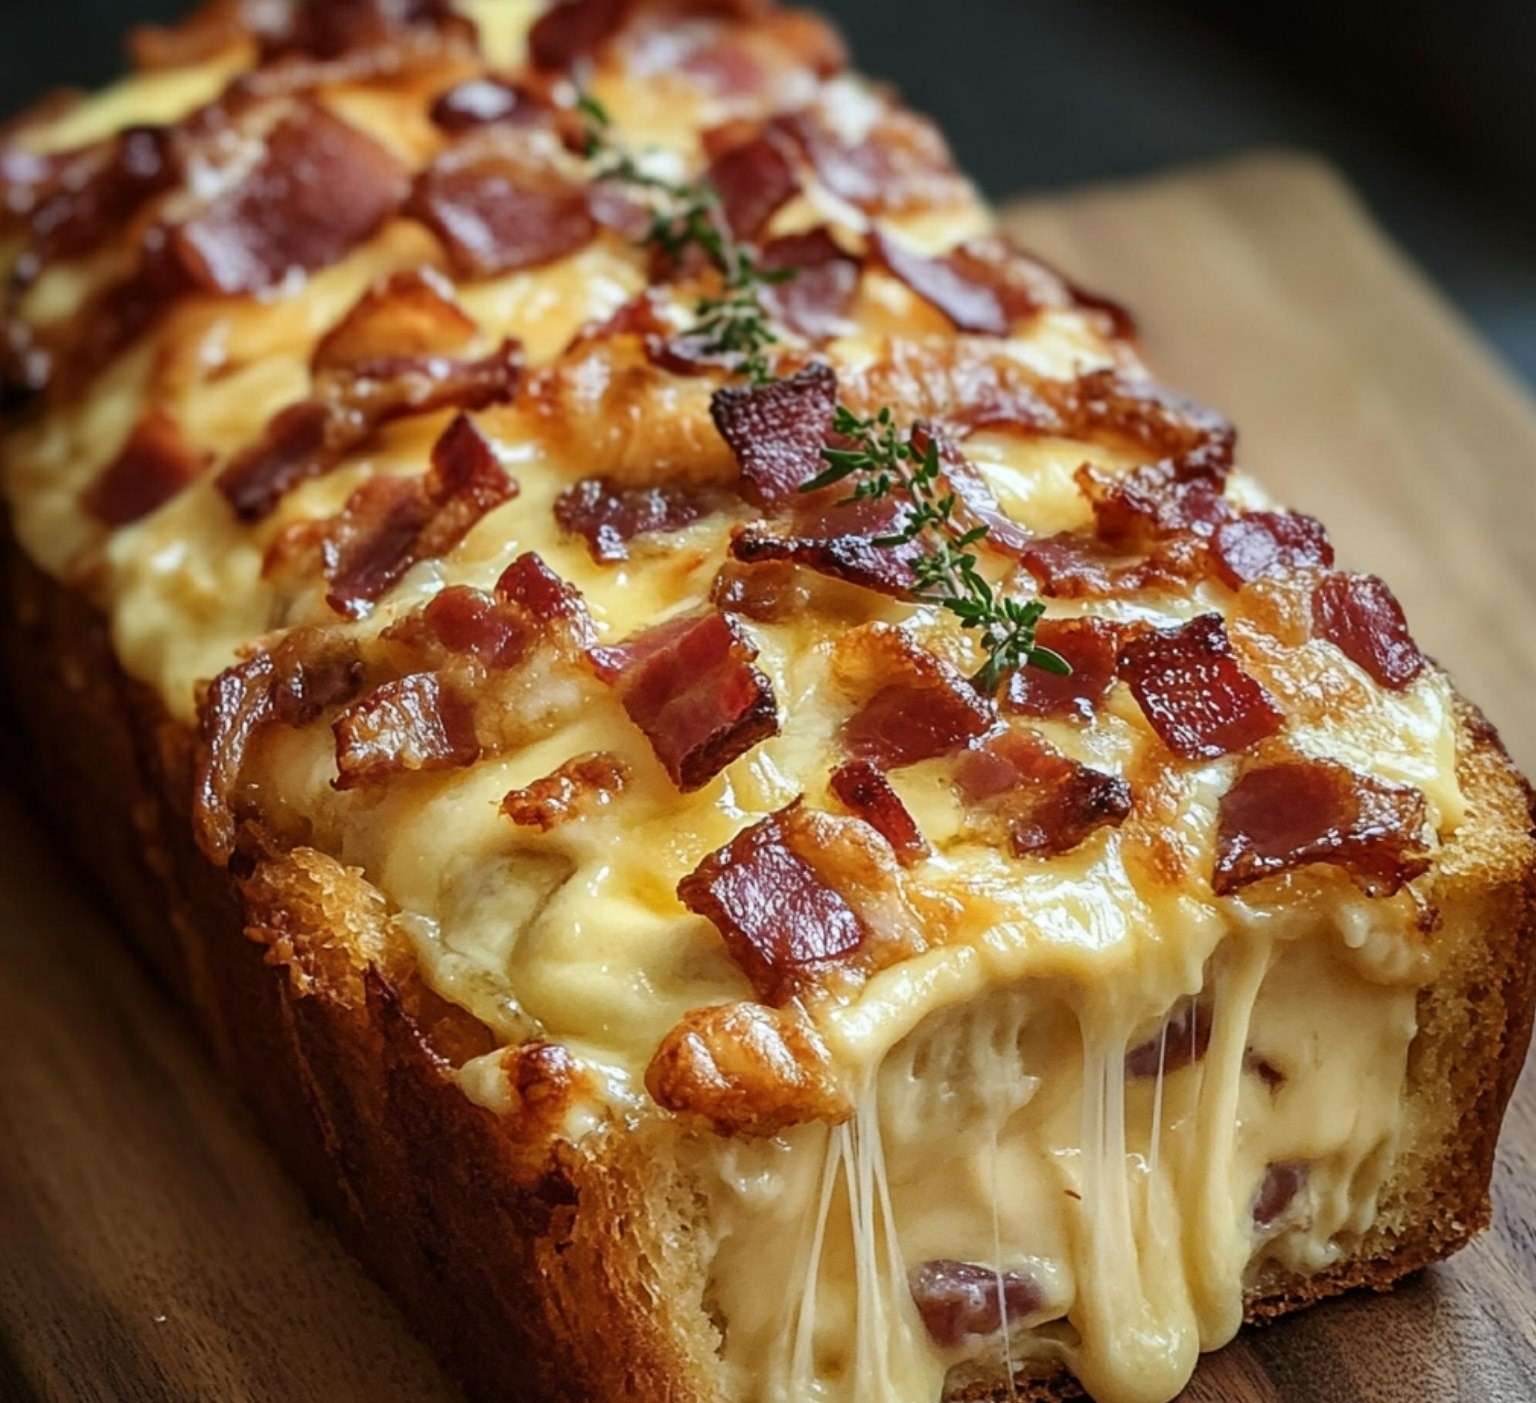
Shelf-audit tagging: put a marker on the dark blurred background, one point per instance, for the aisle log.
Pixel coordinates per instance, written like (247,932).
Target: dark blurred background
(1429,106)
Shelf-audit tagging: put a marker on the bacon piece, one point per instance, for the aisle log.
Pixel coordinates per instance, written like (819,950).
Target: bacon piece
(977,506)
(1281,1184)
(1140,412)
(971,303)
(390,523)
(867,794)
(768,593)
(689,684)
(207,31)
(496,206)
(572,29)
(610,516)
(1279,817)
(1194,692)
(777,431)
(1047,802)
(153,465)
(1141,509)
(1091,647)
(816,301)
(747,1070)
(781,922)
(484,100)
(313,669)
(899,162)
(294,445)
(754,180)
(547,599)
(1183,1040)
(959,1301)
(1079,565)
(412,724)
(328,29)
(1360,616)
(407,315)
(581,784)
(916,705)
(1257,544)
(837,538)
(320,188)
(471,623)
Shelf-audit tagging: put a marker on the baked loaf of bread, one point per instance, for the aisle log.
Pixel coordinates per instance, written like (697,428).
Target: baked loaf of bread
(763,817)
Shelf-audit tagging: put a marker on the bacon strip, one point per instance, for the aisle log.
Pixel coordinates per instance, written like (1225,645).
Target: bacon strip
(153,465)
(579,785)
(867,794)
(1047,802)
(777,431)
(321,188)
(1257,544)
(610,516)
(781,923)
(1361,617)
(1277,818)
(391,523)
(1193,691)
(816,301)
(689,684)
(412,724)
(837,538)
(1091,646)
(495,206)
(754,181)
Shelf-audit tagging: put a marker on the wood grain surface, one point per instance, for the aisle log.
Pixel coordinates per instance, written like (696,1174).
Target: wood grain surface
(151,1250)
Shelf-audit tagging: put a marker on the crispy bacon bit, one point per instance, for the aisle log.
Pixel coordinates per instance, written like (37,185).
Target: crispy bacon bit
(1147,506)
(320,188)
(781,922)
(836,538)
(571,29)
(1277,1192)
(777,431)
(581,784)
(483,101)
(471,623)
(1360,616)
(408,315)
(152,467)
(1091,646)
(1194,692)
(971,303)
(533,587)
(963,1300)
(747,1070)
(497,206)
(900,162)
(414,723)
(313,669)
(1181,1042)
(1079,565)
(868,795)
(238,704)
(327,29)
(689,684)
(293,446)
(1257,544)
(1277,818)
(390,523)
(975,501)
(610,516)
(768,593)
(816,301)
(753,181)
(1138,411)
(1047,802)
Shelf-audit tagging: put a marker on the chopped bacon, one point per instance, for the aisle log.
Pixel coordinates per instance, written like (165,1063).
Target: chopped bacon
(293,446)
(1140,412)
(1047,802)
(573,29)
(867,794)
(1182,1041)
(496,205)
(1194,692)
(816,301)
(1079,565)
(484,100)
(781,922)
(390,523)
(1360,616)
(1091,647)
(531,585)
(327,29)
(963,1300)
(689,684)
(407,315)
(1279,817)
(1150,504)
(320,187)
(971,303)
(238,704)
(153,465)
(582,783)
(1277,1192)
(1256,544)
(976,504)
(747,1070)
(753,181)
(411,724)
(769,593)
(837,538)
(916,706)
(471,623)
(610,516)
(777,431)
(313,669)
(900,162)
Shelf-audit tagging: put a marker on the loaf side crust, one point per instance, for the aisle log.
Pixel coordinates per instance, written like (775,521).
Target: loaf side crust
(545,1273)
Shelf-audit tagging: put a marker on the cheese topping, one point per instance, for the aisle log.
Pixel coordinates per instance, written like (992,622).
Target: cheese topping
(996,1123)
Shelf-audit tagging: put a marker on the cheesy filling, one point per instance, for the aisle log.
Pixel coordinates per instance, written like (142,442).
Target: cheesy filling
(995,1121)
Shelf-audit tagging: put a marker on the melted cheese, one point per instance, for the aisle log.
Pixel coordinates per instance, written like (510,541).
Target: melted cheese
(995,1123)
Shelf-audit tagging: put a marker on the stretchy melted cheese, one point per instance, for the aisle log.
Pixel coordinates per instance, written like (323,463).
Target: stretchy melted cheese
(995,1121)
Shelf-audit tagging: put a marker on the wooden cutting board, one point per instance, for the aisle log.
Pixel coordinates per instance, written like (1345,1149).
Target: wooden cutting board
(151,1250)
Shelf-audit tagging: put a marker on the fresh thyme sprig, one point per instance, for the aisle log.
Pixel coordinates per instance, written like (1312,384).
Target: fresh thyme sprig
(884,462)
(687,214)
